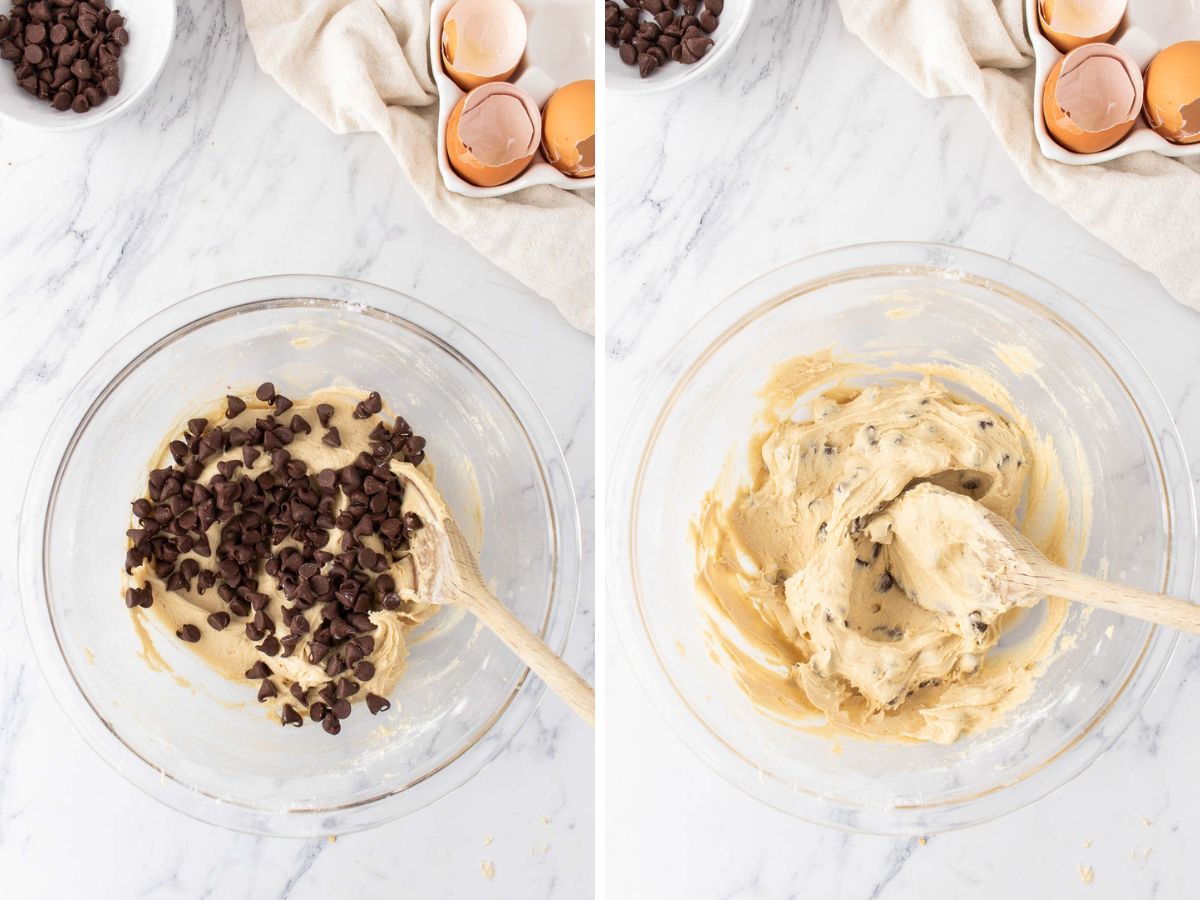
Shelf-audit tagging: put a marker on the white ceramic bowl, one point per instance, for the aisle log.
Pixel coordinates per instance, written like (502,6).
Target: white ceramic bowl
(151,25)
(623,79)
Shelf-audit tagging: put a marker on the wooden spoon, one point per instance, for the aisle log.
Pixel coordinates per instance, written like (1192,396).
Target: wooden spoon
(448,574)
(1038,576)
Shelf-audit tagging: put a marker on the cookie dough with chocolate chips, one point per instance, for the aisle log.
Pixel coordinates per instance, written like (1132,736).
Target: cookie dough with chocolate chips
(273,539)
(831,596)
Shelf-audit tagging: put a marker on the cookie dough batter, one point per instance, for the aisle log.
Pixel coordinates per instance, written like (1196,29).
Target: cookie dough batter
(831,595)
(184,599)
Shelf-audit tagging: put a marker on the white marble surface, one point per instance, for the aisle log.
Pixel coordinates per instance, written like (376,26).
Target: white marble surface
(800,142)
(218,175)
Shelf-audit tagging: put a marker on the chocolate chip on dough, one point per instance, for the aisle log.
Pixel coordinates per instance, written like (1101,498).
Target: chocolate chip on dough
(289,716)
(258,671)
(235,406)
(305,538)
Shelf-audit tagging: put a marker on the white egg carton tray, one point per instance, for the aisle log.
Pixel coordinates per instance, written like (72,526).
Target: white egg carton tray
(1148,27)
(561,48)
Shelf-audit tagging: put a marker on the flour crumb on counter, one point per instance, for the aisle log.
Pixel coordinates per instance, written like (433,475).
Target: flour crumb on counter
(487,869)
(1087,843)
(922,840)
(545,820)
(487,840)
(1147,822)
(541,848)
(1086,874)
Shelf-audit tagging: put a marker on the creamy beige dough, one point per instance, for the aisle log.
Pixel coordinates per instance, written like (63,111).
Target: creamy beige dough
(230,652)
(832,597)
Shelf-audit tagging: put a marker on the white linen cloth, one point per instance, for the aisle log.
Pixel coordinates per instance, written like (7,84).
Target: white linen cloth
(1145,206)
(362,66)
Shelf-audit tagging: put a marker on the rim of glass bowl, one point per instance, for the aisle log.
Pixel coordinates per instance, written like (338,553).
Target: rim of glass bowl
(158,332)
(788,283)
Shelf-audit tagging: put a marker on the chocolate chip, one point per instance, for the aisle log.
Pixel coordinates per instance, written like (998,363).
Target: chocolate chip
(884,584)
(235,406)
(189,633)
(366,643)
(324,414)
(377,704)
(270,646)
(289,716)
(317,711)
(371,406)
(139,597)
(341,709)
(258,671)
(266,690)
(218,621)
(332,438)
(266,392)
(317,652)
(364,671)
(331,724)
(282,404)
(694,48)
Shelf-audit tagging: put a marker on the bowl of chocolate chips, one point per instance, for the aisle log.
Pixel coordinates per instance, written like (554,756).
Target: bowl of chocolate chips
(70,64)
(217,569)
(657,45)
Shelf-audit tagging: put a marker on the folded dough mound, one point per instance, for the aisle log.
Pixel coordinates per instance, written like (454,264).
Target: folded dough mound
(880,610)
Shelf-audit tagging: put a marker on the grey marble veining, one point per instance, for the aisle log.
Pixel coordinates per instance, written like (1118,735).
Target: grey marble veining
(802,141)
(218,175)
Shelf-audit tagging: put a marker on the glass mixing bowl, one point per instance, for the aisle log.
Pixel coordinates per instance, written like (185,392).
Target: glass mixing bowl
(701,404)
(201,743)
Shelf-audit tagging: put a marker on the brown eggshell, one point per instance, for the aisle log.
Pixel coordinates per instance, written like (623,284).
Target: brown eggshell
(1173,93)
(1064,129)
(501,32)
(465,163)
(1105,25)
(569,129)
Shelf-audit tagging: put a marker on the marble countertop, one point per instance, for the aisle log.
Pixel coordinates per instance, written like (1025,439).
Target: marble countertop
(801,141)
(215,176)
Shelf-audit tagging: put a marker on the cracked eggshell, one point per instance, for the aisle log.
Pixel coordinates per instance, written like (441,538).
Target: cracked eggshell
(569,129)
(482,41)
(1173,93)
(1068,24)
(1092,98)
(492,134)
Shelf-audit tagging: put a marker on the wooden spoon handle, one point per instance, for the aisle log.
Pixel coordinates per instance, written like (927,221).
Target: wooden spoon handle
(548,666)
(1150,607)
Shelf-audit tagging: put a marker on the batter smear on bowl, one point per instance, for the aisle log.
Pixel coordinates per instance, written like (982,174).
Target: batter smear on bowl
(274,539)
(815,598)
